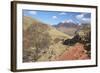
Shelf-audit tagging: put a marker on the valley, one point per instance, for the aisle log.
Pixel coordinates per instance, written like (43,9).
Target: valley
(43,42)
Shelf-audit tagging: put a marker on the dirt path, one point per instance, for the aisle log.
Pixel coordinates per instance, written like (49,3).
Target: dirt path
(76,52)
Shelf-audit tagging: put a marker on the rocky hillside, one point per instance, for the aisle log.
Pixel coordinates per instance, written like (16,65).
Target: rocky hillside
(42,42)
(76,52)
(38,37)
(67,27)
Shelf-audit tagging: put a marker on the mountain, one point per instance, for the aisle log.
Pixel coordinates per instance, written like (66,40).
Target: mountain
(31,23)
(43,42)
(66,24)
(28,21)
(38,38)
(67,27)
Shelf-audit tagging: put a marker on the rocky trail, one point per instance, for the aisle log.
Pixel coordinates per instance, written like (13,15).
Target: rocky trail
(76,52)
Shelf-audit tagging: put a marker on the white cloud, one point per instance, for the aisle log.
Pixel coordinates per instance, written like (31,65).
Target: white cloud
(83,19)
(54,17)
(86,20)
(80,16)
(32,12)
(62,13)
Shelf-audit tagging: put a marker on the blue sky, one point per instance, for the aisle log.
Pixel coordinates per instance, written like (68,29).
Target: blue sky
(55,17)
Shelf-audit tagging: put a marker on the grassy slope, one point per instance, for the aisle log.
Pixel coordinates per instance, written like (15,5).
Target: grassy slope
(70,30)
(57,48)
(28,21)
(55,33)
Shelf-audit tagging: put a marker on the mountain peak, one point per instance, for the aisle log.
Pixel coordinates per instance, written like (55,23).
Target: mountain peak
(68,21)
